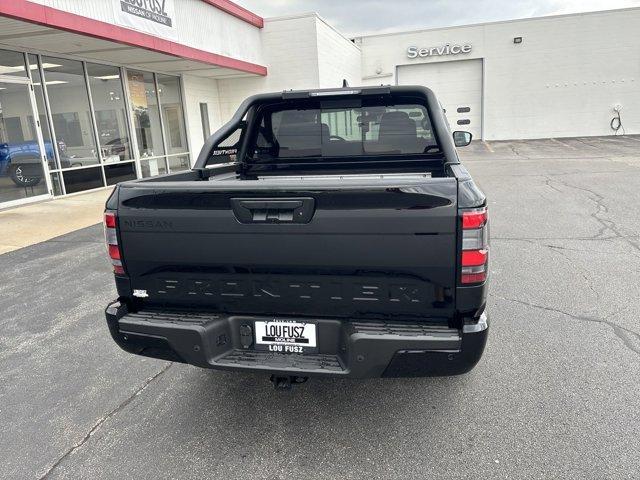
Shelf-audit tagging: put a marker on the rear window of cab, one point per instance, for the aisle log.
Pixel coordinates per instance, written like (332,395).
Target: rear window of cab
(336,129)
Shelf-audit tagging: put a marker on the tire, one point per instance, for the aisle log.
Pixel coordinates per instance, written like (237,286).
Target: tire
(17,174)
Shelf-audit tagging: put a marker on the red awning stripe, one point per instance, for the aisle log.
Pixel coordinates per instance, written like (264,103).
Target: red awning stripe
(70,22)
(237,11)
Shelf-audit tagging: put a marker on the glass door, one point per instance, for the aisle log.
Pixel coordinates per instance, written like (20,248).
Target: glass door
(23,174)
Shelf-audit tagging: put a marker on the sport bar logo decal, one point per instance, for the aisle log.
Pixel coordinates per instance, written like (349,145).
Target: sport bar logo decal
(156,17)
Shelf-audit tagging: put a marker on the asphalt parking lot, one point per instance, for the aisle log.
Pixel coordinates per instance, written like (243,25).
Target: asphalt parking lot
(557,394)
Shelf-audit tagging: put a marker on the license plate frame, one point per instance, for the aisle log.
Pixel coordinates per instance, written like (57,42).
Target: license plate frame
(286,336)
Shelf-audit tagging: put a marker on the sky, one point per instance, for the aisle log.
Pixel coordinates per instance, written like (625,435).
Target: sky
(359,17)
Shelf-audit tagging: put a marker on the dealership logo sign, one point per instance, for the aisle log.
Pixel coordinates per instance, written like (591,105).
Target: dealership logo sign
(415,52)
(154,10)
(156,17)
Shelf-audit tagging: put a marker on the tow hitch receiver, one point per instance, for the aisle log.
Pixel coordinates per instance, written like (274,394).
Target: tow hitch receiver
(286,382)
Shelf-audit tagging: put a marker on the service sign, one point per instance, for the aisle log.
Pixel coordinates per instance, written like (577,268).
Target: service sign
(442,50)
(155,17)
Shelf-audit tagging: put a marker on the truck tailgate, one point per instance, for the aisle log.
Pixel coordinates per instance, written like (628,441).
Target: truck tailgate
(342,249)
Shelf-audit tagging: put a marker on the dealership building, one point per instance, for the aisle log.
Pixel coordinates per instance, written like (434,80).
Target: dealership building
(97,92)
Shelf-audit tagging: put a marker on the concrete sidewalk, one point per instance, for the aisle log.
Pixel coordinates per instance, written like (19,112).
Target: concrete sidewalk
(38,222)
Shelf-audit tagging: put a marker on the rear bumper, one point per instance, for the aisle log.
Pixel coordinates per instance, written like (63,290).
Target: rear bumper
(355,349)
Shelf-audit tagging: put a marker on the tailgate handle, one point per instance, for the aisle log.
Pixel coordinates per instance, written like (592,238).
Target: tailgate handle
(273,210)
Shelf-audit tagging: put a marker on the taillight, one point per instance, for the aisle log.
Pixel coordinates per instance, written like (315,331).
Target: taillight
(475,246)
(111,237)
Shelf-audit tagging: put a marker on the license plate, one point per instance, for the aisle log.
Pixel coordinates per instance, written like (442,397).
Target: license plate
(286,336)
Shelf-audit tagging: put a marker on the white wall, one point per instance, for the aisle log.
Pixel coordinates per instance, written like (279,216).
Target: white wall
(562,81)
(338,57)
(290,55)
(199,90)
(565,78)
(300,52)
(458,85)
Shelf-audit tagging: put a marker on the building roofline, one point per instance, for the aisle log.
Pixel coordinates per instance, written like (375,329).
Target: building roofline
(337,31)
(312,15)
(291,16)
(70,22)
(482,24)
(237,11)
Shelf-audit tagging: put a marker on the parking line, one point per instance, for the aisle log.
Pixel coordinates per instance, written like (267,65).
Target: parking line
(488,146)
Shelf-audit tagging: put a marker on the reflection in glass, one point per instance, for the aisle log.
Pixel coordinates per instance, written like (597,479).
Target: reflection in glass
(56,183)
(146,116)
(171,102)
(108,103)
(178,163)
(150,167)
(42,114)
(12,63)
(69,101)
(119,172)
(21,170)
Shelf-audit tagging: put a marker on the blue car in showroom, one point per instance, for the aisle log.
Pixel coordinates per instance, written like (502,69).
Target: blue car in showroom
(21,161)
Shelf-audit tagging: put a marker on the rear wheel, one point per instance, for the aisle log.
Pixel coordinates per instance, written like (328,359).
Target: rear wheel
(21,178)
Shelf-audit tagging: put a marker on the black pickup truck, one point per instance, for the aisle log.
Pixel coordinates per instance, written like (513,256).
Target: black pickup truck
(321,232)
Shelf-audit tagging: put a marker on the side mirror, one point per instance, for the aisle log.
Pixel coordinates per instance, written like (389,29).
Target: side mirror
(462,139)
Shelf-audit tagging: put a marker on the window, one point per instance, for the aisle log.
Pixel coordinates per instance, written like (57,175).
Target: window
(111,119)
(331,130)
(21,172)
(150,167)
(147,105)
(78,180)
(173,118)
(70,110)
(68,128)
(42,112)
(179,162)
(146,115)
(204,116)
(175,131)
(13,128)
(12,63)
(88,134)
(119,172)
